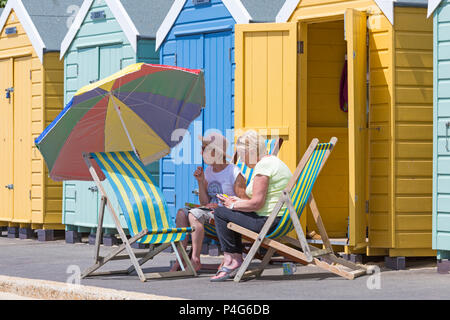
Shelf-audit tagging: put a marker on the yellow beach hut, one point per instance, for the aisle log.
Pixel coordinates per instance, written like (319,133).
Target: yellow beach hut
(31,96)
(359,70)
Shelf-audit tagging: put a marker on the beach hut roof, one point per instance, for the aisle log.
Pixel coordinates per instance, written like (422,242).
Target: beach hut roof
(432,5)
(44,21)
(137,18)
(243,11)
(387,6)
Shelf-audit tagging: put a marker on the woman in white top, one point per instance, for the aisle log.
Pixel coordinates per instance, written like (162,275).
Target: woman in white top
(220,177)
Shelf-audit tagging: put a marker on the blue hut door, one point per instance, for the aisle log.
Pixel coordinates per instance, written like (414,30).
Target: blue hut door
(189,54)
(212,53)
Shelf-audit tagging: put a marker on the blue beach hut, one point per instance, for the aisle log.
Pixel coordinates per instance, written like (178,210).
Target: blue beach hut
(200,34)
(441,131)
(105,37)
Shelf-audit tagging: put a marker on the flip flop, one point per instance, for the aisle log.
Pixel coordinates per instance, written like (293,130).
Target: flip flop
(229,273)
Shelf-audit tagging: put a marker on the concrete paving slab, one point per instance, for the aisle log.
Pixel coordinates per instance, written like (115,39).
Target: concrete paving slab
(58,261)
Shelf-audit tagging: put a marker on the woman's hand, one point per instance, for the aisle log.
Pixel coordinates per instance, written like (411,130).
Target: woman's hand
(211,206)
(227,201)
(199,174)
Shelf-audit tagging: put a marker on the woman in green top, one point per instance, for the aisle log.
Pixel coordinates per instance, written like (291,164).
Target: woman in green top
(270,177)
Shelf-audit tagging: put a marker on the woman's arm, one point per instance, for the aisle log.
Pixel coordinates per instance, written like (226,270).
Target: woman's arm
(239,187)
(203,196)
(203,192)
(260,187)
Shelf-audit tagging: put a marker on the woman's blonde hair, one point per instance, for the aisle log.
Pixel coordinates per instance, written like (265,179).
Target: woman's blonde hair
(251,142)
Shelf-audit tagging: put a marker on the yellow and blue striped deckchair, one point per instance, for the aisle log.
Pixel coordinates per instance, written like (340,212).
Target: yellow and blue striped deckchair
(141,201)
(291,205)
(143,204)
(273,147)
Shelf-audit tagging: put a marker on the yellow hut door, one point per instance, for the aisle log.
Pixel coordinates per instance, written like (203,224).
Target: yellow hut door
(266,83)
(355,34)
(22,140)
(6,141)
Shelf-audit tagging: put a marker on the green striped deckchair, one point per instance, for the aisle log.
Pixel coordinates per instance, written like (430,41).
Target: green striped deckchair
(145,211)
(293,201)
(273,147)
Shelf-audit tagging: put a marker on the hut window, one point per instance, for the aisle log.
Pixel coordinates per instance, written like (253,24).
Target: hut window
(12,30)
(98,15)
(198,2)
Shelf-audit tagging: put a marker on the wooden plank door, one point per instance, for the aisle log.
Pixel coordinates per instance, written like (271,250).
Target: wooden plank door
(6,142)
(218,113)
(110,62)
(23,141)
(266,83)
(82,196)
(190,54)
(356,30)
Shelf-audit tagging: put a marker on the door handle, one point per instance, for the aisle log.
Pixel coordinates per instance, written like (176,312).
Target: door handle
(196,192)
(9,186)
(8,92)
(93,189)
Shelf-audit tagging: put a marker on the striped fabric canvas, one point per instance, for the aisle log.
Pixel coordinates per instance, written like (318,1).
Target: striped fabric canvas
(302,190)
(141,200)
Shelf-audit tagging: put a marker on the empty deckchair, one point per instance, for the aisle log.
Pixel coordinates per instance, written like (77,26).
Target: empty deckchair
(295,196)
(145,212)
(273,147)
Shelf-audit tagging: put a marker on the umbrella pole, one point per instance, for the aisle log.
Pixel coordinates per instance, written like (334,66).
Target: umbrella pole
(123,124)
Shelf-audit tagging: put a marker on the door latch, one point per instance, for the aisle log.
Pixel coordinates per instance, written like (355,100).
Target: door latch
(93,189)
(196,192)
(9,186)
(8,92)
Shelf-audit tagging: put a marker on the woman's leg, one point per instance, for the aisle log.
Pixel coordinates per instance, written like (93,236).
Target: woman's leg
(197,240)
(230,241)
(181,221)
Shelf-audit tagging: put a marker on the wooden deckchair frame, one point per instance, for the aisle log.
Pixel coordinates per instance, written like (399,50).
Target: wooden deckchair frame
(309,254)
(100,261)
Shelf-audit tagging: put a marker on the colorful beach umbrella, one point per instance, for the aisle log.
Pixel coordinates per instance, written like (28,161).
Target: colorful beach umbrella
(136,109)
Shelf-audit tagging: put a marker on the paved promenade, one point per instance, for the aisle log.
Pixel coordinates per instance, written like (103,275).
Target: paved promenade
(58,261)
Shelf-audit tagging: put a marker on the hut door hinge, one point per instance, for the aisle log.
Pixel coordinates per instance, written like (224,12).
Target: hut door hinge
(300,47)
(367,206)
(30,75)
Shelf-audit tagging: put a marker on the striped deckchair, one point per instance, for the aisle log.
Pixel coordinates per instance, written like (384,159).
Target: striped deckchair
(273,147)
(145,211)
(293,201)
